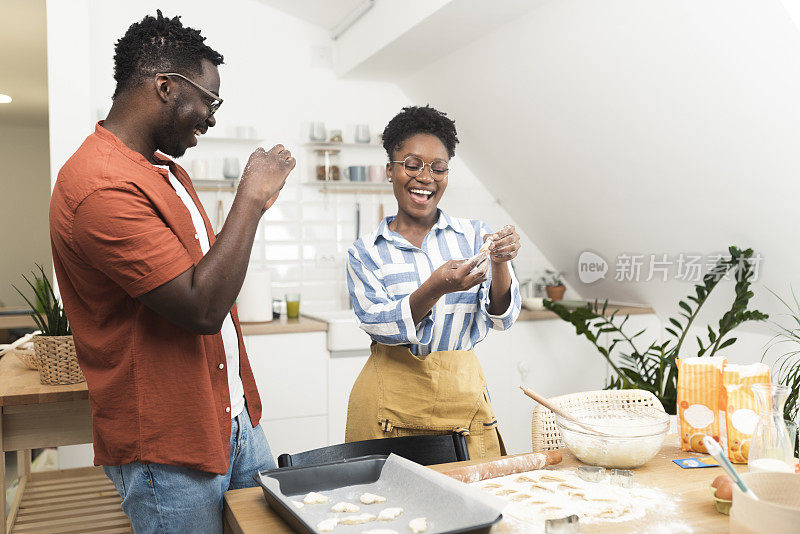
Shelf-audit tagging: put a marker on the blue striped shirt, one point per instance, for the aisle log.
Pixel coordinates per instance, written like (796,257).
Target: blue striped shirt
(383,269)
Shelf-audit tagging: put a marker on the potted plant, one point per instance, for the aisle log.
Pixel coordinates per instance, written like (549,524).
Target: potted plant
(653,367)
(54,347)
(553,283)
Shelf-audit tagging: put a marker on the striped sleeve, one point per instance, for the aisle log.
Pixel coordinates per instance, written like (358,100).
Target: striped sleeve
(386,319)
(504,320)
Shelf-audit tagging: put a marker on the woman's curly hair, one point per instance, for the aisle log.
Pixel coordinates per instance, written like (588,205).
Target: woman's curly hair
(420,119)
(159,44)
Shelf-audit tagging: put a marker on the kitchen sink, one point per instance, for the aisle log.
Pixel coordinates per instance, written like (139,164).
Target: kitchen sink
(344,335)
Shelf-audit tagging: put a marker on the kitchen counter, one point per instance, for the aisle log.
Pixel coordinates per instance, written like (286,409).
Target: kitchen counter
(15,318)
(246,511)
(284,326)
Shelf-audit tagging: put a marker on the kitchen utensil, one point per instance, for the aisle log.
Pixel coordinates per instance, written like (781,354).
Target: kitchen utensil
(504,466)
(362,133)
(563,525)
(715,450)
(771,447)
(561,413)
(448,506)
(777,509)
(356,173)
(317,132)
(230,168)
(591,473)
(622,478)
(376,173)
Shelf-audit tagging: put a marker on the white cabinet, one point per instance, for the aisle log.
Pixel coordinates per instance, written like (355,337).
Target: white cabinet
(291,371)
(342,374)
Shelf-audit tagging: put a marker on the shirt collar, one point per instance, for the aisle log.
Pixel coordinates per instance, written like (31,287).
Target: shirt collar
(109,137)
(442,222)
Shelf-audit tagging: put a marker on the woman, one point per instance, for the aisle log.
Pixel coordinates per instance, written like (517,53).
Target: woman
(424,302)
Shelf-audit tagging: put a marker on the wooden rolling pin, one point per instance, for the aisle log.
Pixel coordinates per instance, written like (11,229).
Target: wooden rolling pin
(504,466)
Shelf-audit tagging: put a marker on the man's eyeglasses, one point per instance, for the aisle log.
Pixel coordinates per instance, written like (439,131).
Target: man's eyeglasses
(216,101)
(414,166)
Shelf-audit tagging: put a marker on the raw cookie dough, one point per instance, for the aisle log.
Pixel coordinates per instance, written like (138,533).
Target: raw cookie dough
(418,525)
(298,504)
(327,525)
(356,519)
(389,514)
(369,498)
(315,498)
(345,507)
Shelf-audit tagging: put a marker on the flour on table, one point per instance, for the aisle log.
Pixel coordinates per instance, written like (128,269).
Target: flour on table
(369,498)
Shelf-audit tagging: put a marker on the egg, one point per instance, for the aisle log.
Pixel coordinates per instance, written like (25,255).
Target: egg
(725,491)
(721,480)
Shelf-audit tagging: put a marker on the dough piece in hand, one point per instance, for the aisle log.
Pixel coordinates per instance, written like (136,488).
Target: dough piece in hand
(315,498)
(345,507)
(389,514)
(327,525)
(420,524)
(356,519)
(369,498)
(298,504)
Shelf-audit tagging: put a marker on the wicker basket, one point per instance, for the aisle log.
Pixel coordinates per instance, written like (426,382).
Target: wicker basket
(27,355)
(57,361)
(545,435)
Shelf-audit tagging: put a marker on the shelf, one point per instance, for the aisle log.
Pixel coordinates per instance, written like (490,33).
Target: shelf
(223,185)
(71,500)
(322,147)
(351,187)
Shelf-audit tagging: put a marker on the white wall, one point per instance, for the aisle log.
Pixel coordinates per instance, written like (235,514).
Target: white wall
(636,126)
(273,80)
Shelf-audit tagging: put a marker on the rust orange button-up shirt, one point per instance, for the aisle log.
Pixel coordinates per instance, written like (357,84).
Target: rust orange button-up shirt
(119,230)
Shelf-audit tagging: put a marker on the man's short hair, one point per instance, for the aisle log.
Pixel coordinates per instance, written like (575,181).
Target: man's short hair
(159,44)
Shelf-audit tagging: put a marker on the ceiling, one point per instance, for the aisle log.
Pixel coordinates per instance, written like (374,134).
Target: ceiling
(23,61)
(325,14)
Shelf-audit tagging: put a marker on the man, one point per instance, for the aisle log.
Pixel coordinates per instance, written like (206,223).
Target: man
(149,290)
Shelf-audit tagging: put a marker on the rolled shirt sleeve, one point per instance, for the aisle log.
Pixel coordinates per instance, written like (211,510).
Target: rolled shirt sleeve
(118,232)
(504,320)
(385,318)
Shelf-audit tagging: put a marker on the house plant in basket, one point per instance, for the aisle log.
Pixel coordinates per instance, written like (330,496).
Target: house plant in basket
(54,347)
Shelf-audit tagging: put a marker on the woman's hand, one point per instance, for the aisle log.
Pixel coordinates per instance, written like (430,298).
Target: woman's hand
(457,275)
(505,245)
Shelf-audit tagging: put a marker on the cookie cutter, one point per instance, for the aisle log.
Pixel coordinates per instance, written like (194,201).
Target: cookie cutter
(562,525)
(622,478)
(591,473)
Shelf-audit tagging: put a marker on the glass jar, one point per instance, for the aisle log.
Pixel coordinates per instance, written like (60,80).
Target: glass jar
(771,447)
(327,165)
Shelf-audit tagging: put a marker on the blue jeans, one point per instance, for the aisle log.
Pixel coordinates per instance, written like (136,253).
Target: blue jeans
(167,498)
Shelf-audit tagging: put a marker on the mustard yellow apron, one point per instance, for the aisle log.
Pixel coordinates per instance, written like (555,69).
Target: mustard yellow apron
(399,394)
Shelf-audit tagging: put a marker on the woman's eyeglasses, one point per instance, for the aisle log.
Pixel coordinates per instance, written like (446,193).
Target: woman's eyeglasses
(216,101)
(414,166)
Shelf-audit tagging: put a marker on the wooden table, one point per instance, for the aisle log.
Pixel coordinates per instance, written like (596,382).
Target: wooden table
(246,510)
(33,416)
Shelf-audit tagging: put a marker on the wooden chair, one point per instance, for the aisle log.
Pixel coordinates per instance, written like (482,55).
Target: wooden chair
(424,450)
(545,435)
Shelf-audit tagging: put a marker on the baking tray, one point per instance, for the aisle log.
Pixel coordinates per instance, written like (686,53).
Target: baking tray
(449,506)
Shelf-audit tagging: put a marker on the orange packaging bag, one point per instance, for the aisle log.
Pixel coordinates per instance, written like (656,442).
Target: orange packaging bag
(742,408)
(699,386)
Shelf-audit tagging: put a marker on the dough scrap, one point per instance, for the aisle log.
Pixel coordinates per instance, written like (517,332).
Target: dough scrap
(552,478)
(356,519)
(519,497)
(524,478)
(327,525)
(369,498)
(420,524)
(504,492)
(298,504)
(567,485)
(542,487)
(315,498)
(389,514)
(493,486)
(345,507)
